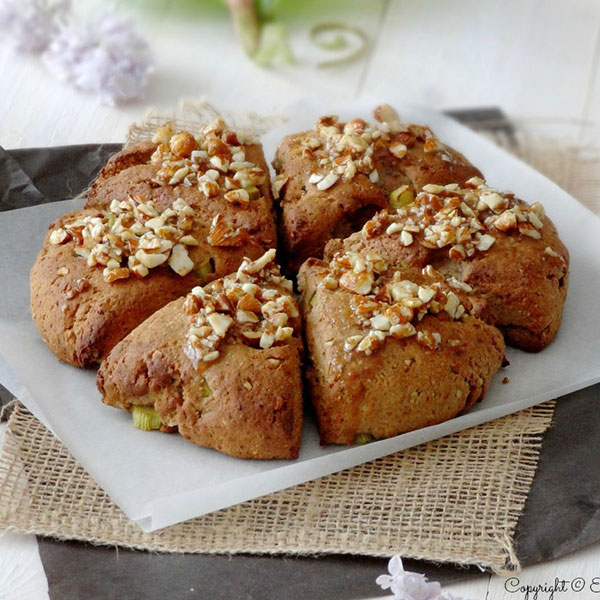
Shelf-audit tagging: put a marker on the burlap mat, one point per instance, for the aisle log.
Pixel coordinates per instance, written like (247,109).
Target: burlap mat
(452,500)
(456,500)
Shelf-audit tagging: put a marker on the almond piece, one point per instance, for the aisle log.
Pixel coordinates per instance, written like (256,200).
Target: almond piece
(249,303)
(180,261)
(59,236)
(150,260)
(111,275)
(220,323)
(222,234)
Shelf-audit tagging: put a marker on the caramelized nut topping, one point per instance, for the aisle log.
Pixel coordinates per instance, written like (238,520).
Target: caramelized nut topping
(463,219)
(214,161)
(132,237)
(391,307)
(254,305)
(343,150)
(223,234)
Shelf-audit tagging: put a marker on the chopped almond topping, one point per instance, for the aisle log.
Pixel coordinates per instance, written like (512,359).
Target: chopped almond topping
(132,237)
(214,161)
(253,305)
(344,150)
(464,219)
(388,307)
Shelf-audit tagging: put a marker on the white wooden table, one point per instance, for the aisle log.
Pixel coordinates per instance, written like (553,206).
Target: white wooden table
(537,59)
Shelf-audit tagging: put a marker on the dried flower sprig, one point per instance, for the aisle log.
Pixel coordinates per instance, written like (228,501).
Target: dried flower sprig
(31,24)
(406,585)
(105,56)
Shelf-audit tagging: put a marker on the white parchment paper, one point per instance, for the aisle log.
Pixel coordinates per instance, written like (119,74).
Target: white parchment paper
(158,479)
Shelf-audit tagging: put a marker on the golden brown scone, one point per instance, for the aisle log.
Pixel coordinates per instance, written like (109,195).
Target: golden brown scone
(390,350)
(214,173)
(221,366)
(186,234)
(332,179)
(502,254)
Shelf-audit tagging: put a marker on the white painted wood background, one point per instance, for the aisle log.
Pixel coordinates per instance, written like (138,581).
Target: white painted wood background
(536,59)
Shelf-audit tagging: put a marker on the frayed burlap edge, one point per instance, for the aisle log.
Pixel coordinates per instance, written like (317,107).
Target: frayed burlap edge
(454,500)
(193,115)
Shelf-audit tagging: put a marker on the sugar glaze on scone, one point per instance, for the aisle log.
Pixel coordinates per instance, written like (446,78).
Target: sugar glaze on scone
(502,253)
(221,366)
(332,179)
(390,349)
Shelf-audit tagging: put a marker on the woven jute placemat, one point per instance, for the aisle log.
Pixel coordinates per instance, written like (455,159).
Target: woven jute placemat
(455,500)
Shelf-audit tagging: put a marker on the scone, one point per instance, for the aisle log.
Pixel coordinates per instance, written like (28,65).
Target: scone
(220,175)
(501,253)
(141,244)
(389,350)
(221,366)
(332,179)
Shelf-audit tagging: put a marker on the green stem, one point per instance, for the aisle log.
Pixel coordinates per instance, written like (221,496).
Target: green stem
(245,24)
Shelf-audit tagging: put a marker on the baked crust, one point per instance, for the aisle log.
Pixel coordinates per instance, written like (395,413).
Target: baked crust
(402,385)
(246,403)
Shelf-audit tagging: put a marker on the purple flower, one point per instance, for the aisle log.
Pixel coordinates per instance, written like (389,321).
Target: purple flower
(32,23)
(410,586)
(105,56)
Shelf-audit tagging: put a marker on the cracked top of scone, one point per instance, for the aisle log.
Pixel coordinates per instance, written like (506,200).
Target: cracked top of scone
(333,178)
(253,306)
(387,302)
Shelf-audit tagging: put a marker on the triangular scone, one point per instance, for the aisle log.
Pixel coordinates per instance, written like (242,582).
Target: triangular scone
(221,366)
(502,254)
(389,350)
(145,240)
(332,179)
